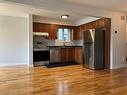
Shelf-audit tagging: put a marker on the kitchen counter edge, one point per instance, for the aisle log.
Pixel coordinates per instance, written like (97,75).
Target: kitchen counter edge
(64,46)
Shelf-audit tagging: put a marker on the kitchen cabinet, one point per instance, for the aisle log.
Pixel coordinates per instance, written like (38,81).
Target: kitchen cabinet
(79,55)
(36,27)
(77,34)
(48,28)
(41,27)
(101,22)
(94,24)
(67,54)
(53,32)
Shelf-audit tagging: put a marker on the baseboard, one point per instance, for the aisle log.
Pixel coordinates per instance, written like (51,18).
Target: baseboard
(13,64)
(119,66)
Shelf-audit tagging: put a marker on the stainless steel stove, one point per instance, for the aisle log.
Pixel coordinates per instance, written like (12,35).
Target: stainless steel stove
(41,52)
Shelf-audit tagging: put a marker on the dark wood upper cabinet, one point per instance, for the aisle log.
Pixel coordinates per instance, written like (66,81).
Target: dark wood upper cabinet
(48,28)
(53,32)
(41,27)
(36,27)
(77,33)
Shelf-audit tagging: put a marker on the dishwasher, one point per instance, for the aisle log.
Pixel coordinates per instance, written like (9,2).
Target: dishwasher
(55,55)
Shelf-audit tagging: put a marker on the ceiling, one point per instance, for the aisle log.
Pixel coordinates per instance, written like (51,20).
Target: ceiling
(55,8)
(116,5)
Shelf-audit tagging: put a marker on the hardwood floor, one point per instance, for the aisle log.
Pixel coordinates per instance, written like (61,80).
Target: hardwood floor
(68,80)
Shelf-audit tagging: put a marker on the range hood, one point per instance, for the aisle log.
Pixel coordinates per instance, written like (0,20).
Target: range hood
(43,34)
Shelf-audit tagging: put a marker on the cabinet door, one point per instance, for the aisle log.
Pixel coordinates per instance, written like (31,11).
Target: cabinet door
(78,55)
(100,23)
(36,27)
(53,32)
(41,27)
(67,54)
(77,33)
(63,55)
(71,54)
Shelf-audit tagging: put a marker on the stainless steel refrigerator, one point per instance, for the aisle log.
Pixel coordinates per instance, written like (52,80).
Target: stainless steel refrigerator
(94,48)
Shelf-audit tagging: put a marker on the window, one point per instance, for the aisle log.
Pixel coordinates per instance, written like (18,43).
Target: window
(64,34)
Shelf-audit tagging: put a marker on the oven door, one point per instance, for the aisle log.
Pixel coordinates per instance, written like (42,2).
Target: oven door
(41,56)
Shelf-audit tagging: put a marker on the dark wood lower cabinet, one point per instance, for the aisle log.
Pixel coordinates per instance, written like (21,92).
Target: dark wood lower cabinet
(67,54)
(79,55)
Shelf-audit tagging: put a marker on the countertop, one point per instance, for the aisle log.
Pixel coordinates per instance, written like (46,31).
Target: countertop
(63,46)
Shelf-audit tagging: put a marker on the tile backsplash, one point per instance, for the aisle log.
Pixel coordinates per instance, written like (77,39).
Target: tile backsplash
(78,42)
(51,42)
(62,43)
(39,41)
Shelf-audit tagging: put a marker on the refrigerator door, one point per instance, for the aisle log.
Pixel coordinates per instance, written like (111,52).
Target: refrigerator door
(89,55)
(89,36)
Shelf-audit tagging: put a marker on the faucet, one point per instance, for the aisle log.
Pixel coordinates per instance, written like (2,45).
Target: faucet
(64,43)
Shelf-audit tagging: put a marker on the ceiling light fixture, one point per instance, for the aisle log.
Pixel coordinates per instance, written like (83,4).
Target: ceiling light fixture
(64,16)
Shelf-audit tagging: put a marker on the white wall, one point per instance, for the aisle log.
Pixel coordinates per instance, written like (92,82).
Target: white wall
(30,39)
(118,43)
(13,41)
